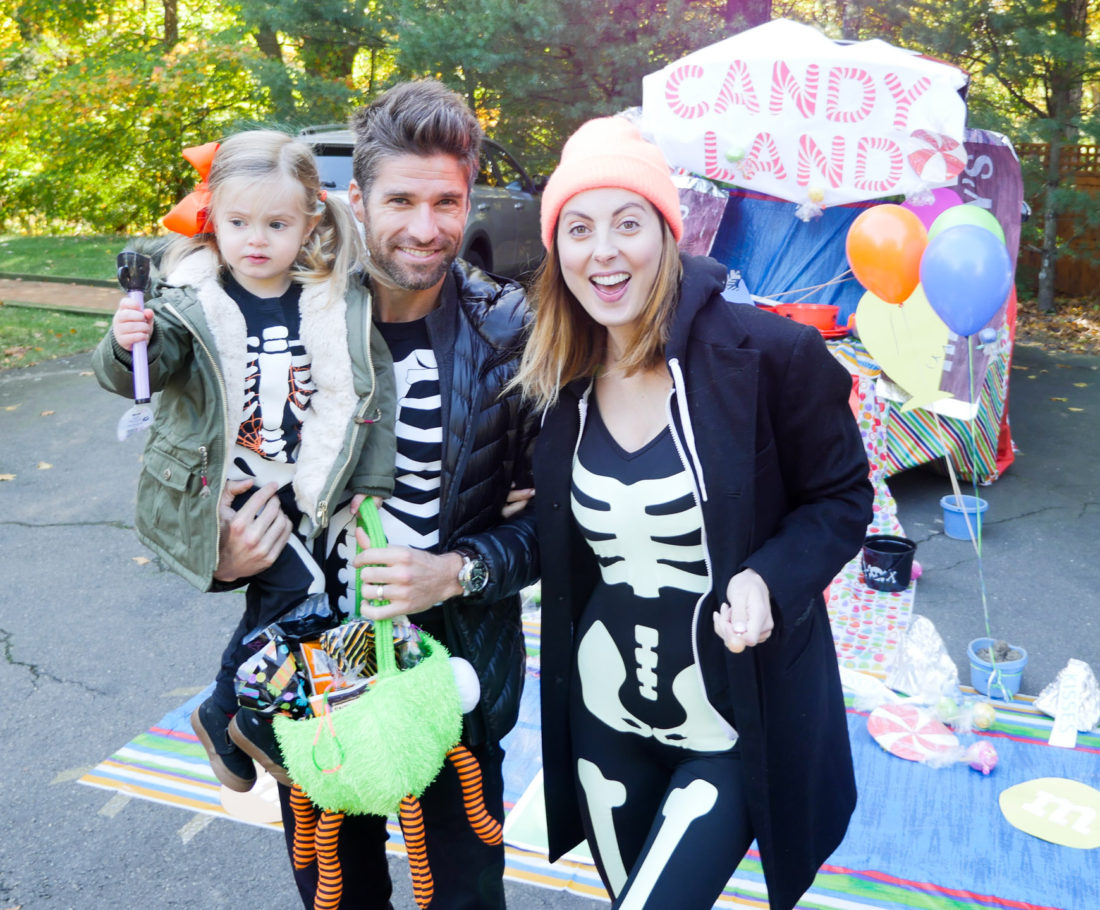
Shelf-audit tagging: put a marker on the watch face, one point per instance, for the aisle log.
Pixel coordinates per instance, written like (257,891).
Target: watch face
(474,576)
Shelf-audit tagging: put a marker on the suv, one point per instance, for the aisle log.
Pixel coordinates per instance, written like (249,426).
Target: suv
(502,232)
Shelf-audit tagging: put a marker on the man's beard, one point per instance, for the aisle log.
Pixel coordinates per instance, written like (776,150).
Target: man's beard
(407,278)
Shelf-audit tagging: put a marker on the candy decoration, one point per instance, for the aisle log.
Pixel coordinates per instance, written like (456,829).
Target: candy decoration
(909,732)
(985,715)
(982,756)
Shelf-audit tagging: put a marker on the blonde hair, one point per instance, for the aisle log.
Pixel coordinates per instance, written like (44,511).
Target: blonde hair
(565,343)
(332,249)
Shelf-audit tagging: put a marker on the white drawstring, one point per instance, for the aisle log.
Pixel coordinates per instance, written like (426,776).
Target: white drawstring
(685,420)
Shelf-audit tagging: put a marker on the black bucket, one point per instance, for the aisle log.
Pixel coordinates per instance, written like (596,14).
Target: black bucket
(888,562)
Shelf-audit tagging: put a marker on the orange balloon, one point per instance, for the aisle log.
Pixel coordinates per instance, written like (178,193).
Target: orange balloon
(884,246)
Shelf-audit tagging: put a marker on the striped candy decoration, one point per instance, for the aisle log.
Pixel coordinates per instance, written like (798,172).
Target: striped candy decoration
(672,92)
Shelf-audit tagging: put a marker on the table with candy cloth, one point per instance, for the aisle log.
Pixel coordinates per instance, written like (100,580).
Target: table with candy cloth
(977,448)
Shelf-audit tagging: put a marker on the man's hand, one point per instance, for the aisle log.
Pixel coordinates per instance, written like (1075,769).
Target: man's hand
(745,619)
(411,580)
(252,537)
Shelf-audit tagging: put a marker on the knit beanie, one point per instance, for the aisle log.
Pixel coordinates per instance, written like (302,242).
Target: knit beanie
(610,152)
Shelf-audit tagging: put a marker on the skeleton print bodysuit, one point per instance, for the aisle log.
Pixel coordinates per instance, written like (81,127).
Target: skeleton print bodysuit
(657,770)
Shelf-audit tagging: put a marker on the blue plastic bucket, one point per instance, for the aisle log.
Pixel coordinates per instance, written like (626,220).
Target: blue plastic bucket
(999,681)
(956,511)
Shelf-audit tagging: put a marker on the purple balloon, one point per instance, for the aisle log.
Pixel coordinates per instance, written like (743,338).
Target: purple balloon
(966,274)
(943,198)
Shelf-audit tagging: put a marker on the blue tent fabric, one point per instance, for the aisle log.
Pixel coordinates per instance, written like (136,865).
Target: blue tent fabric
(776,251)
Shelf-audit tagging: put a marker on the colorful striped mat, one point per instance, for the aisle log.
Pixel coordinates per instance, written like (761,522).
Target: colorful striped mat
(921,838)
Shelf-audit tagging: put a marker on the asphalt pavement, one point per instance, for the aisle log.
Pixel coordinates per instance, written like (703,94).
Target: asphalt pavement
(99,643)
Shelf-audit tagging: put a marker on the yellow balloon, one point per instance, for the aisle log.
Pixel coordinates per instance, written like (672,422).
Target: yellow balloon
(908,342)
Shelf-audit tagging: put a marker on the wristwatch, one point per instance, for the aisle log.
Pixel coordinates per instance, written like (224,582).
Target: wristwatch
(474,574)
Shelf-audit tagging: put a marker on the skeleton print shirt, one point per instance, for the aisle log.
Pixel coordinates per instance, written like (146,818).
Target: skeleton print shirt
(278,385)
(635,660)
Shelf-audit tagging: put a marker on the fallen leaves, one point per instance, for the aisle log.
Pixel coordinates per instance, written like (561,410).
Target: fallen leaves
(1073,327)
(141,560)
(46,414)
(4,477)
(43,466)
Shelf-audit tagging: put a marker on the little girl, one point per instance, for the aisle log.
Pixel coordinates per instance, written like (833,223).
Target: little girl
(270,372)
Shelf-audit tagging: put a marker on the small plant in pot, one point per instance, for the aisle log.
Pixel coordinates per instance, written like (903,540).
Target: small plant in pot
(996,667)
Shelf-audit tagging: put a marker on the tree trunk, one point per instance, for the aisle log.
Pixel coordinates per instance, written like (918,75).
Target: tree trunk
(1049,257)
(171,24)
(268,43)
(751,12)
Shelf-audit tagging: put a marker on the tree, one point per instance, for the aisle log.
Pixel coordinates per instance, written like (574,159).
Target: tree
(1030,62)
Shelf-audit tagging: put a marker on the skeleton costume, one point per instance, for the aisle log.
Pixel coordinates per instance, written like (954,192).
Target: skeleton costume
(666,751)
(296,389)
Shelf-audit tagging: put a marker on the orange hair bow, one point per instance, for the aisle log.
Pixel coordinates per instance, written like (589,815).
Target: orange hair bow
(188,216)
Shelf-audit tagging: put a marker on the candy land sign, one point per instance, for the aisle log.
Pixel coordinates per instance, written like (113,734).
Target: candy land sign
(783,110)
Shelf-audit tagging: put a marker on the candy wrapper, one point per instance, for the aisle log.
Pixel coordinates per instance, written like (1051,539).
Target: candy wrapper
(981,756)
(271,682)
(351,646)
(1074,687)
(307,620)
(922,667)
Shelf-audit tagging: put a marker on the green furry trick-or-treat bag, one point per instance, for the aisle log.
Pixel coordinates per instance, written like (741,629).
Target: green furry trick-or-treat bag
(364,755)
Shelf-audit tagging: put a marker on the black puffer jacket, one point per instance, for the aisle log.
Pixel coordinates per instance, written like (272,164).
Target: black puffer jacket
(477,334)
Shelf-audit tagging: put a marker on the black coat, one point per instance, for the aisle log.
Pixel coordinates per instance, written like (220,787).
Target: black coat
(761,416)
(477,334)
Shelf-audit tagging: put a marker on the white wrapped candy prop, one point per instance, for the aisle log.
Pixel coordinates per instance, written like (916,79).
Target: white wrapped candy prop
(921,666)
(1073,700)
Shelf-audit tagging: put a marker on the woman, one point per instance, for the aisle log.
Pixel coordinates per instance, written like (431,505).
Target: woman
(700,482)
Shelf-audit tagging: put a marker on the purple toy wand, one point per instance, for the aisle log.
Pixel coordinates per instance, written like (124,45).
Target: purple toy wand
(133,275)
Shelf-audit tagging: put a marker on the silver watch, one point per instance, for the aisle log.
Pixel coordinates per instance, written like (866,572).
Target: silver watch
(474,574)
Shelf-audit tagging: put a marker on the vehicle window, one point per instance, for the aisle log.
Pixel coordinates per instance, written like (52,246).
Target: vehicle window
(334,166)
(510,174)
(486,173)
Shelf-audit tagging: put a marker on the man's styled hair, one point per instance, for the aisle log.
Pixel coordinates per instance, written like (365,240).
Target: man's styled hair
(414,118)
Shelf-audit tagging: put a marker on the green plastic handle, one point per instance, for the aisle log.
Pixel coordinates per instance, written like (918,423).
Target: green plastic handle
(371,522)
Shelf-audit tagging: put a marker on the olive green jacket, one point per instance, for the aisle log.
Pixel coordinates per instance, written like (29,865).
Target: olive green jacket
(196,363)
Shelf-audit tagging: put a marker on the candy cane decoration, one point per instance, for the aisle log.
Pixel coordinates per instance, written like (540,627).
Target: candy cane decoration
(832,169)
(672,92)
(711,169)
(737,90)
(832,96)
(903,99)
(805,97)
(868,144)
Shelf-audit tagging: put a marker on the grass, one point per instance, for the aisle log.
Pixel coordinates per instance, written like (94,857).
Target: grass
(80,258)
(29,335)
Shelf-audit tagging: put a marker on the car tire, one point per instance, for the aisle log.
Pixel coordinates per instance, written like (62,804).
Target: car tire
(476,258)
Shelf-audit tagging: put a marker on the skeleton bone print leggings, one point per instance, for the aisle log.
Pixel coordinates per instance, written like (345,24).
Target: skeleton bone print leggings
(660,782)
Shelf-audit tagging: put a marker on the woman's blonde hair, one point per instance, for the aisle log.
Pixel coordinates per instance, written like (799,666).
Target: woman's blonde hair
(332,249)
(565,343)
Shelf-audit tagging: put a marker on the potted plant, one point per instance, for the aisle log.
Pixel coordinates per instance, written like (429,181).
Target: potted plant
(996,667)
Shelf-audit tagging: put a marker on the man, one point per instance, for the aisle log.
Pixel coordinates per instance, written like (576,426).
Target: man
(453,562)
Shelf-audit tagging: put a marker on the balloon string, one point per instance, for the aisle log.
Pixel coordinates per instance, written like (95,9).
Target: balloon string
(843,276)
(975,538)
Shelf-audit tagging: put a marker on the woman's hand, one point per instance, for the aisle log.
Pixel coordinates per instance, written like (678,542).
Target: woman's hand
(745,619)
(131,324)
(516,502)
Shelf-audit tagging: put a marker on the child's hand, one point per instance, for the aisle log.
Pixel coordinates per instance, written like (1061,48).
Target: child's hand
(131,324)
(516,502)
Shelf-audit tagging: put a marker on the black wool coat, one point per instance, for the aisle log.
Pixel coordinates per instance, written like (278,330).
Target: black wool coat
(760,413)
